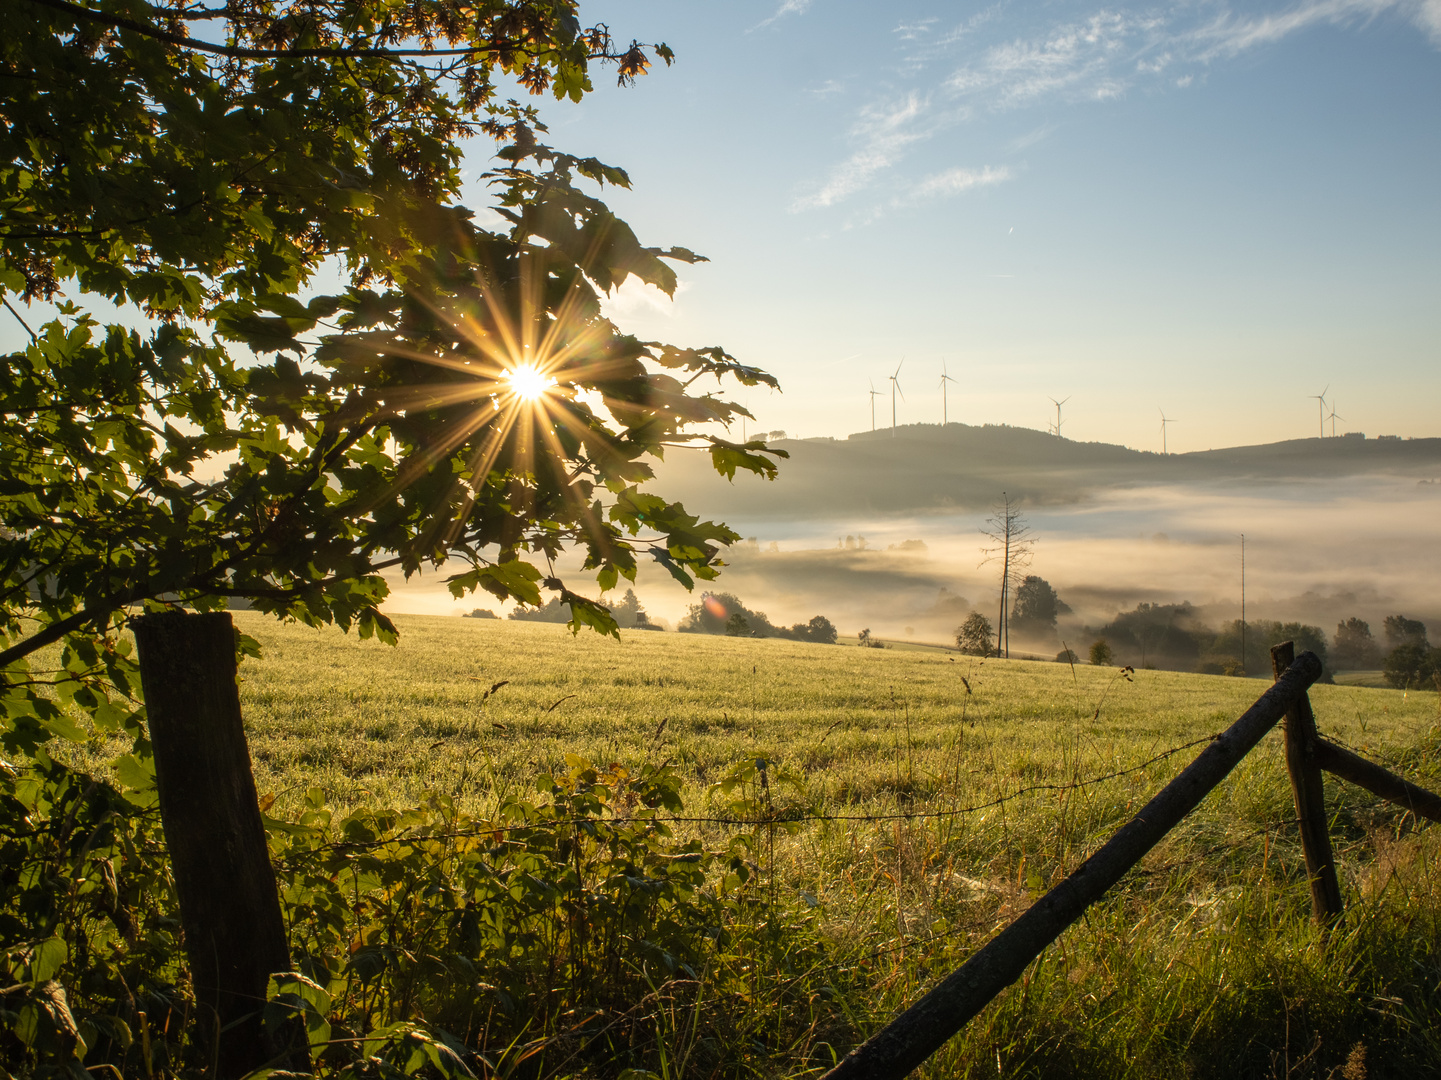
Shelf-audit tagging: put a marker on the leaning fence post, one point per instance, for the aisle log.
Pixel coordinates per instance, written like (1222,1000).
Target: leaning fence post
(1309,795)
(229,906)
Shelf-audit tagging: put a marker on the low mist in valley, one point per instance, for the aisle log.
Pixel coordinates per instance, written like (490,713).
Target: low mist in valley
(885,533)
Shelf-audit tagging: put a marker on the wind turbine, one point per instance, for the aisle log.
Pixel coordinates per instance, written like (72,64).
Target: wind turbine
(1333,417)
(1321,408)
(1058,405)
(874,394)
(945,378)
(896,388)
(1164,422)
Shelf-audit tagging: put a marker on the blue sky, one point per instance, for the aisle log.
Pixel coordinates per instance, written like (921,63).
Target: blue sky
(1210,210)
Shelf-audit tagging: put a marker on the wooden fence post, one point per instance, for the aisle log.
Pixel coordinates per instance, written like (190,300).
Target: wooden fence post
(1309,794)
(229,906)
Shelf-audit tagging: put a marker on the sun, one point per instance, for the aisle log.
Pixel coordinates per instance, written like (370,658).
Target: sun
(528,383)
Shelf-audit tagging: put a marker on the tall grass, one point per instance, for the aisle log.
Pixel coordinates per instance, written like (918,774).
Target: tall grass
(940,795)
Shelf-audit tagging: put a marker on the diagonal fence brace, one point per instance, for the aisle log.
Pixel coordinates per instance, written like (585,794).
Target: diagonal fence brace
(925,1027)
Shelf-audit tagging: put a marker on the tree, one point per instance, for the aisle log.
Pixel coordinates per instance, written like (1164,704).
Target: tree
(1012,545)
(628,612)
(975,635)
(820,630)
(866,641)
(282,358)
(1410,661)
(737,626)
(1307,638)
(713,613)
(436,406)
(1036,606)
(552,611)
(1402,631)
(1100,653)
(1412,664)
(1157,633)
(1353,647)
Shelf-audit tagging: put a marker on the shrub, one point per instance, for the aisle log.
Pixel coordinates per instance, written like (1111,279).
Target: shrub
(974,637)
(1100,652)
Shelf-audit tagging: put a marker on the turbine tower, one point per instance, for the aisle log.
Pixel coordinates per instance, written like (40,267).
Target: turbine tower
(945,378)
(1333,416)
(1058,405)
(1321,408)
(1164,422)
(874,394)
(896,389)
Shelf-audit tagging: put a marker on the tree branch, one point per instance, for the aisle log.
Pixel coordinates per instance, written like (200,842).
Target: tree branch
(18,319)
(242,52)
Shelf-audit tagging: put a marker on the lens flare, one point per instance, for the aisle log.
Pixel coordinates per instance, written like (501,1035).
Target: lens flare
(527,382)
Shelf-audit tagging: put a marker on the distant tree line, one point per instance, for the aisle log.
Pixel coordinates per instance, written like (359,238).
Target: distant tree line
(627,612)
(1172,636)
(723,613)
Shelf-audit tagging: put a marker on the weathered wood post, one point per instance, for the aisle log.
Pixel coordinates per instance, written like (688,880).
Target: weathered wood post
(1376,780)
(229,906)
(1309,794)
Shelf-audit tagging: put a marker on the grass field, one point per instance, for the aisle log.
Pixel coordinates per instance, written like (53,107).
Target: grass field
(985,779)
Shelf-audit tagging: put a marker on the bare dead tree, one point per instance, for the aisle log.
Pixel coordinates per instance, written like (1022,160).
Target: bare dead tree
(1012,545)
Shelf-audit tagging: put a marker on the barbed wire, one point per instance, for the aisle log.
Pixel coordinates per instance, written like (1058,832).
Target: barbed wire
(784,816)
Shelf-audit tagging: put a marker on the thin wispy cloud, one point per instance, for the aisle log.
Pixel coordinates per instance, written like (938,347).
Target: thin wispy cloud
(1428,17)
(883,132)
(955,181)
(941,185)
(788,7)
(991,63)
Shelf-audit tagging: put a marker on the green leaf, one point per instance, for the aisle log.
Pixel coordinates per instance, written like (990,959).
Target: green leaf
(49,956)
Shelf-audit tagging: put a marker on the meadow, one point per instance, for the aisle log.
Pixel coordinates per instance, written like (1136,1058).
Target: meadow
(935,795)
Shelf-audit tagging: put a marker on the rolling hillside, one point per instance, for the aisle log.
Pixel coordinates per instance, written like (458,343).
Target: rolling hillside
(926,468)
